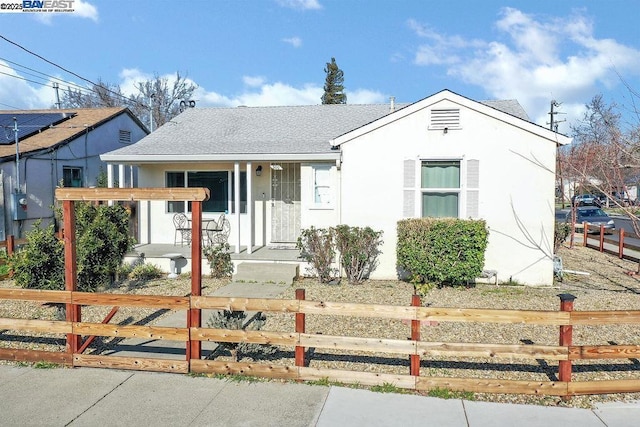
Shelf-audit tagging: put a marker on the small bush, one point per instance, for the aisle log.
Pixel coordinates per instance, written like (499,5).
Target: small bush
(237,320)
(444,251)
(359,249)
(146,272)
(40,264)
(219,260)
(317,247)
(560,234)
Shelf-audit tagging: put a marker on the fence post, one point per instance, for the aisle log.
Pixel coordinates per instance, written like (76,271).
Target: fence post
(621,243)
(73,313)
(194,315)
(566,339)
(11,244)
(300,328)
(601,238)
(414,359)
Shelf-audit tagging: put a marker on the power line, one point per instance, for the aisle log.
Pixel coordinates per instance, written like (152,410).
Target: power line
(119,95)
(54,78)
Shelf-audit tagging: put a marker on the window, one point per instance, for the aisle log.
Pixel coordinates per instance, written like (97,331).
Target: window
(219,183)
(175,180)
(322,185)
(440,187)
(71,176)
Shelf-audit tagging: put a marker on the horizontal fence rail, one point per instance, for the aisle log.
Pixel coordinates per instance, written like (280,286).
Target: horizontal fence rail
(415,348)
(595,237)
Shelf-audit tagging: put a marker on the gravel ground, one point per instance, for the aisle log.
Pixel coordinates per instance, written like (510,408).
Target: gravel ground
(605,287)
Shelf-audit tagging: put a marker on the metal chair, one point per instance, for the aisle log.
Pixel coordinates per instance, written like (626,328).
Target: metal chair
(220,234)
(182,227)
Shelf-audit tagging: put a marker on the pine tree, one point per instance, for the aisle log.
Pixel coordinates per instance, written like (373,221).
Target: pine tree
(333,85)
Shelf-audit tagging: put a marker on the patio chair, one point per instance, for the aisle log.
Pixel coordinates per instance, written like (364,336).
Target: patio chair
(209,231)
(182,228)
(221,234)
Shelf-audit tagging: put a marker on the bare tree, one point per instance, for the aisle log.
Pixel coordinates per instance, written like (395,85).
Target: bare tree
(159,95)
(603,158)
(164,97)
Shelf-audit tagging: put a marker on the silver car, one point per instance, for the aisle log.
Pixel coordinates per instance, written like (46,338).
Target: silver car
(593,216)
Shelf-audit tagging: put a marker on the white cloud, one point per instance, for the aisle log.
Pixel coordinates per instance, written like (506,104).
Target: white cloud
(85,9)
(365,96)
(300,4)
(293,41)
(81,9)
(534,60)
(253,81)
(15,92)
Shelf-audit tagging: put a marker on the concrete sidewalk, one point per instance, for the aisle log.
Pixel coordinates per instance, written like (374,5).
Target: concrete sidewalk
(106,397)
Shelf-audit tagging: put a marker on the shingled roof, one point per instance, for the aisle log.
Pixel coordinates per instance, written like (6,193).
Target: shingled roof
(68,130)
(257,133)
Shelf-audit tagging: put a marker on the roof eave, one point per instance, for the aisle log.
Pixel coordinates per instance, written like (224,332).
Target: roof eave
(199,158)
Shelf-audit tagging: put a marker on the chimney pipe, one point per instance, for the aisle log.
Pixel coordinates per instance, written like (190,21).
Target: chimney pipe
(392,102)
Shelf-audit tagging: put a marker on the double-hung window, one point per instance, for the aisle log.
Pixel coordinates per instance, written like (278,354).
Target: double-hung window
(440,188)
(71,176)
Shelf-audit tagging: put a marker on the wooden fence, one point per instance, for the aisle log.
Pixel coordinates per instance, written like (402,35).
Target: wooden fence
(415,349)
(601,242)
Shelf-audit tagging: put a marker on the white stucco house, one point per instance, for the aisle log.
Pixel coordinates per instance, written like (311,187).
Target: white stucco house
(56,147)
(361,165)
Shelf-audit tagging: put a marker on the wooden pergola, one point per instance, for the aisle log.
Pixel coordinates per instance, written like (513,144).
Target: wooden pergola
(68,197)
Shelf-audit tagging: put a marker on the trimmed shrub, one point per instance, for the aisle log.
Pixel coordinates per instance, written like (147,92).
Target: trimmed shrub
(442,251)
(359,249)
(39,264)
(317,247)
(101,242)
(237,320)
(219,260)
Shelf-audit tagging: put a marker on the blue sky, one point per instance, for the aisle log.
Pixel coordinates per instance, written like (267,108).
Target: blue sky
(273,52)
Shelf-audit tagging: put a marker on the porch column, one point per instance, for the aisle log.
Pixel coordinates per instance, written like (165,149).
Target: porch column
(121,179)
(249,206)
(236,207)
(109,175)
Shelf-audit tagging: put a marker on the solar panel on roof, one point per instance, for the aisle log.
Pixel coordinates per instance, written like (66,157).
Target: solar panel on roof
(28,124)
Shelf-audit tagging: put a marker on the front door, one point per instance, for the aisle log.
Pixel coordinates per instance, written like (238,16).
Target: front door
(285,202)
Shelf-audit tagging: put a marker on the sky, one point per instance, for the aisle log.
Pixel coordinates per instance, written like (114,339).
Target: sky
(274,52)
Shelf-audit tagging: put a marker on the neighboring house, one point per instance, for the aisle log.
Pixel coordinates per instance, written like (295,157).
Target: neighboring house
(361,165)
(56,148)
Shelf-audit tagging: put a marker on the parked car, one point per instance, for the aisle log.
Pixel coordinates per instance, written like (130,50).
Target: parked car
(594,217)
(585,200)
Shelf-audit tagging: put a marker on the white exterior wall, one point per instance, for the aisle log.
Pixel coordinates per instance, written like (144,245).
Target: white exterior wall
(40,174)
(516,197)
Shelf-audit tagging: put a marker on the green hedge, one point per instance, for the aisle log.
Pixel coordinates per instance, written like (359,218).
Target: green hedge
(441,251)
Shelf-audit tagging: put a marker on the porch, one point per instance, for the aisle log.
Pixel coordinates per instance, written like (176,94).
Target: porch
(159,255)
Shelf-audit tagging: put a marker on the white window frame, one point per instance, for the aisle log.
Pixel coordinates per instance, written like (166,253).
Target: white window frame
(329,186)
(460,190)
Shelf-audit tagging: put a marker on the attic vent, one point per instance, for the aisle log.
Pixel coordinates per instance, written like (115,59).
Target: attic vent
(125,137)
(448,118)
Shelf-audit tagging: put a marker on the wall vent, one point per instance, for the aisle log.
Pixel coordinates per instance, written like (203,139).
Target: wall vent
(124,137)
(446,118)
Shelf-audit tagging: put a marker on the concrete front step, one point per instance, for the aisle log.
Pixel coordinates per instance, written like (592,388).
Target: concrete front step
(262,272)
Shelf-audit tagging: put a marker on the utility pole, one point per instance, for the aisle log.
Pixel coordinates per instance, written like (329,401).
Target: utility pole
(56,87)
(153,95)
(553,126)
